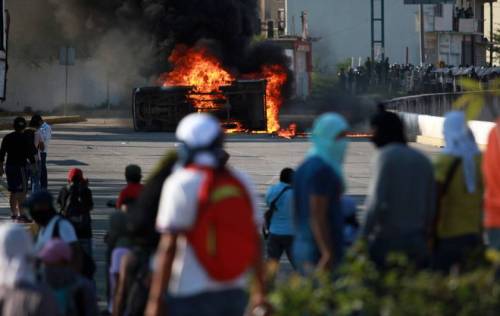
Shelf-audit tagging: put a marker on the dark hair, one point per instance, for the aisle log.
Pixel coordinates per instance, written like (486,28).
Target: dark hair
(388,128)
(36,121)
(19,124)
(286,175)
(133,173)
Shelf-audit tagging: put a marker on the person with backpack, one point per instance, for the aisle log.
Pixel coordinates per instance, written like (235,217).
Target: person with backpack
(52,225)
(318,186)
(19,151)
(20,293)
(75,203)
(209,223)
(278,218)
(75,295)
(458,231)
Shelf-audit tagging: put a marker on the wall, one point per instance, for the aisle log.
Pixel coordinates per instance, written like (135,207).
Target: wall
(344,29)
(423,116)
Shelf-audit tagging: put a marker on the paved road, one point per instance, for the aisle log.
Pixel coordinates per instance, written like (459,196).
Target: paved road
(103,149)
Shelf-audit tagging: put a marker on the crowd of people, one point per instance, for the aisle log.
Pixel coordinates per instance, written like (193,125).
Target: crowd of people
(187,240)
(401,80)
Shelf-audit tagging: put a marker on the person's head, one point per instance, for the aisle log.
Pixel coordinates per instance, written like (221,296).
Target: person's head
(55,253)
(16,254)
(286,175)
(457,133)
(133,174)
(328,138)
(19,124)
(75,175)
(201,140)
(36,121)
(387,128)
(41,207)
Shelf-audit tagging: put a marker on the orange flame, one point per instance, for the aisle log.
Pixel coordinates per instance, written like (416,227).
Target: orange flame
(197,68)
(276,77)
(288,133)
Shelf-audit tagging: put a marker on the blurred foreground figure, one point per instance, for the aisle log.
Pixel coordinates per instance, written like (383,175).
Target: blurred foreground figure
(400,205)
(75,295)
(208,220)
(460,195)
(135,268)
(318,187)
(491,173)
(19,293)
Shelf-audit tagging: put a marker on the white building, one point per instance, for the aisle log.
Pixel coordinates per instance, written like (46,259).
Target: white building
(455,33)
(344,31)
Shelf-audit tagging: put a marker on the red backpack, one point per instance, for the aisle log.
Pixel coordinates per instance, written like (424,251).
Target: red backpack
(224,237)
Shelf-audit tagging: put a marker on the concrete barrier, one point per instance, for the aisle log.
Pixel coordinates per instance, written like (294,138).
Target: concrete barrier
(6,122)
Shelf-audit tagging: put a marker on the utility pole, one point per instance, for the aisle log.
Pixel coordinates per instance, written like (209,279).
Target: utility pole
(422,35)
(491,33)
(377,19)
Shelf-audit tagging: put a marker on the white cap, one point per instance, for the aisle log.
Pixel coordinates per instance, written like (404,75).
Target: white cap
(198,130)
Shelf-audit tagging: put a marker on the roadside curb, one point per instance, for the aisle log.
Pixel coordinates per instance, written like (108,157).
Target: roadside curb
(50,120)
(437,142)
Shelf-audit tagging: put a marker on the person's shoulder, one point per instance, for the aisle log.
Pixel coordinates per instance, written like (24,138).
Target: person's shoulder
(185,176)
(315,166)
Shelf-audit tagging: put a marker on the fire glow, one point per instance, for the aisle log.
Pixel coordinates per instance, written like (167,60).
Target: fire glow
(197,68)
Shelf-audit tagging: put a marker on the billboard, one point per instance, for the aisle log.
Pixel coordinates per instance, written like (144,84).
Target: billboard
(428,1)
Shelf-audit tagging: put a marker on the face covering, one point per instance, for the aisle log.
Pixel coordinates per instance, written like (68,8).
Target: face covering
(325,141)
(460,143)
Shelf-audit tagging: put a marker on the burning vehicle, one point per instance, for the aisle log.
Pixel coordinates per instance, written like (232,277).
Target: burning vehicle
(248,102)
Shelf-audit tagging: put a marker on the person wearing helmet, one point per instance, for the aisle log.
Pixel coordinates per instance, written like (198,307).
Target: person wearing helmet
(203,200)
(19,150)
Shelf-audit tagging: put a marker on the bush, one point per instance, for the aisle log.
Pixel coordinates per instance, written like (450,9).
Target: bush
(359,289)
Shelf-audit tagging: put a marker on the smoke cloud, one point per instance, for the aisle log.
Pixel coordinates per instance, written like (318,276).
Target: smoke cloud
(129,41)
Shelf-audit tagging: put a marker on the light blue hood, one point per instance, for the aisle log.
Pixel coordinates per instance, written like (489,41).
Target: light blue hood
(324,140)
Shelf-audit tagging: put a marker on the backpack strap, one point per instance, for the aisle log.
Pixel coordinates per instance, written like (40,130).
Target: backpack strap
(450,175)
(278,197)
(55,229)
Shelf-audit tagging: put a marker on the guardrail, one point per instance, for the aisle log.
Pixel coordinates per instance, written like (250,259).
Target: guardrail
(437,104)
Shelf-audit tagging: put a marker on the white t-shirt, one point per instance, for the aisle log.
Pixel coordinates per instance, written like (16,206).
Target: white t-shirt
(66,232)
(46,135)
(177,212)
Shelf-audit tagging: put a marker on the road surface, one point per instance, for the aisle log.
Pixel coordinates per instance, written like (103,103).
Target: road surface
(102,149)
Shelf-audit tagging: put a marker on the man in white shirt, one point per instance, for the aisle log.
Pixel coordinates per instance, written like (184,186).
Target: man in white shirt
(45,131)
(179,271)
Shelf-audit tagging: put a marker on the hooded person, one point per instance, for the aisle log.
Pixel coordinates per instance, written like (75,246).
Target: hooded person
(75,295)
(491,173)
(400,206)
(202,183)
(318,186)
(460,194)
(19,292)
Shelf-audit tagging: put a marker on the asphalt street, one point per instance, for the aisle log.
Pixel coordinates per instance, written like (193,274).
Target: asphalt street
(102,149)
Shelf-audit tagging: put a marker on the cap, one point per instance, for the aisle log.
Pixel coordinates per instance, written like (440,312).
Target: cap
(198,130)
(19,123)
(75,173)
(55,251)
